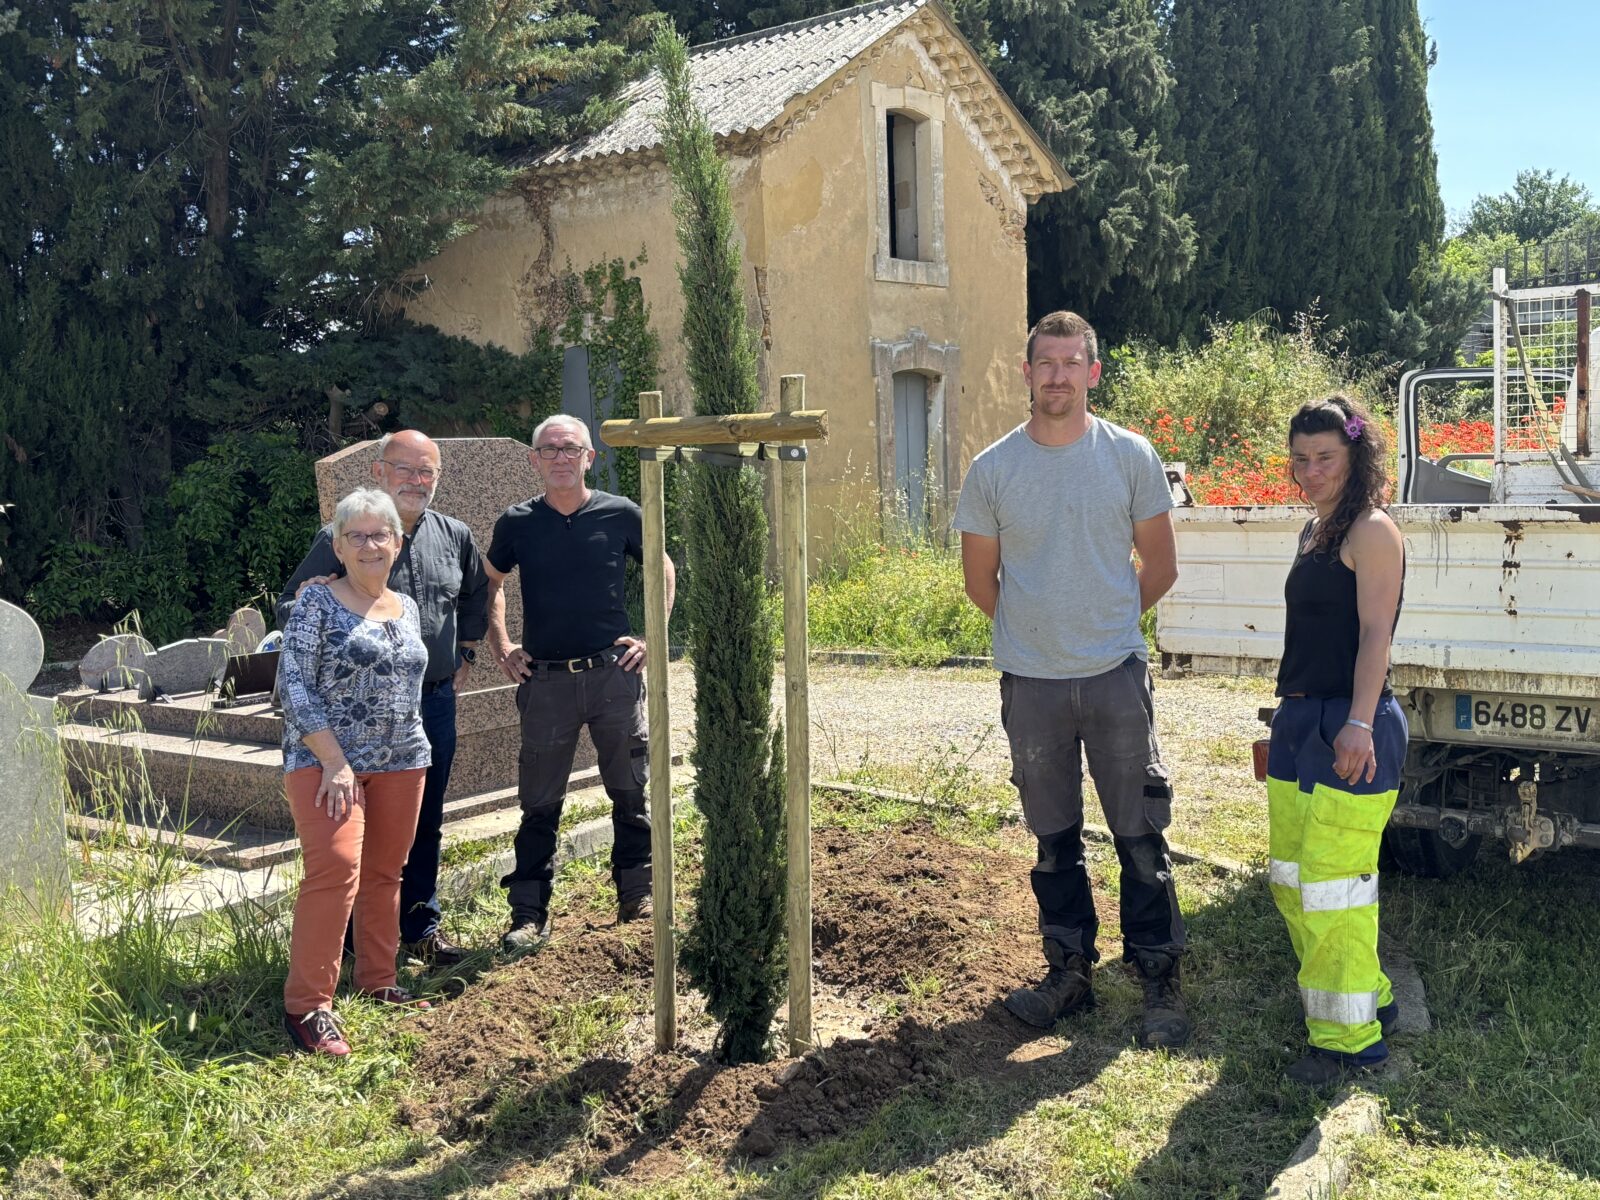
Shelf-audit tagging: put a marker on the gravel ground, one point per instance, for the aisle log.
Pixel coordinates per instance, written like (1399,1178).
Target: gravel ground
(927,730)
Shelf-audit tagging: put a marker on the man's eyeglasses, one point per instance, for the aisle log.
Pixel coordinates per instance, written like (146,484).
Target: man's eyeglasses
(407,471)
(571,452)
(360,541)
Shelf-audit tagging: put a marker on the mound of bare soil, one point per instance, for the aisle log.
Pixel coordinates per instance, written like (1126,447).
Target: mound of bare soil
(916,939)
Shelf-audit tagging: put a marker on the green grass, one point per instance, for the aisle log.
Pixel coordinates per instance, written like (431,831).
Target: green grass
(151,1063)
(1504,1094)
(907,600)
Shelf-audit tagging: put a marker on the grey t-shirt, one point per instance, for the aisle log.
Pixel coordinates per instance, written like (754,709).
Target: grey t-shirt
(1069,594)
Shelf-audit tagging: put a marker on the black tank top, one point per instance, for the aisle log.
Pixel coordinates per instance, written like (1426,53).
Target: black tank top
(1322,625)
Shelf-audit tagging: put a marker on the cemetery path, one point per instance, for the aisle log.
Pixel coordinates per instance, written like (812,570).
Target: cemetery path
(862,715)
(937,733)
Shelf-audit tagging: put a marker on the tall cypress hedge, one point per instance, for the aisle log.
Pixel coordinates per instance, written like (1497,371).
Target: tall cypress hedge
(734,949)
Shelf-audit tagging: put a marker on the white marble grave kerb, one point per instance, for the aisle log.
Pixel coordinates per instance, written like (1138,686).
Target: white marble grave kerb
(33,849)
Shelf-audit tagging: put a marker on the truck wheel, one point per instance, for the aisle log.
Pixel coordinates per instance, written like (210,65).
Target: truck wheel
(1423,853)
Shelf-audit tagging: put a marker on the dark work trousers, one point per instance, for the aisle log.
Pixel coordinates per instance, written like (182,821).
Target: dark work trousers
(419,885)
(419,882)
(555,705)
(1051,724)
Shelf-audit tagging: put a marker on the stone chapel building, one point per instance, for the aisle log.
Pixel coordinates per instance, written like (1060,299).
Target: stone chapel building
(881,181)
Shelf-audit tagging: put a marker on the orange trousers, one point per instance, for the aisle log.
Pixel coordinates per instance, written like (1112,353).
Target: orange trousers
(352,865)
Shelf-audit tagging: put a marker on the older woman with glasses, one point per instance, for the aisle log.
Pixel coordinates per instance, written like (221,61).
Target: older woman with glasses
(355,757)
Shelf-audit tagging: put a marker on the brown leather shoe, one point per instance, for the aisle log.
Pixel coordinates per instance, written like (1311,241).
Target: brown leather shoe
(640,908)
(316,1032)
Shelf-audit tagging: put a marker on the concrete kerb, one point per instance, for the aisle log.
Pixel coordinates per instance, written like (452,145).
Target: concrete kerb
(270,888)
(1319,1169)
(878,658)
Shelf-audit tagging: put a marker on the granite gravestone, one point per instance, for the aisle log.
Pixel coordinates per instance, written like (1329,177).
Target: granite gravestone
(479,479)
(33,851)
(115,662)
(192,665)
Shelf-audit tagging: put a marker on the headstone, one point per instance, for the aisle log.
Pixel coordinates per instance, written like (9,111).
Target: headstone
(192,665)
(480,478)
(245,630)
(115,662)
(33,848)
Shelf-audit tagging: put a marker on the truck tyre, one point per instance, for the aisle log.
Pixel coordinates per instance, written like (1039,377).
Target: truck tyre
(1423,853)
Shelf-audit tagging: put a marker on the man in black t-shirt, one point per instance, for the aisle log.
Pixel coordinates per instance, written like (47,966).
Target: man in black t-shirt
(578,665)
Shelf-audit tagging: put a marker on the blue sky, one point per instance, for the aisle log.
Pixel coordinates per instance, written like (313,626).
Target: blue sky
(1499,60)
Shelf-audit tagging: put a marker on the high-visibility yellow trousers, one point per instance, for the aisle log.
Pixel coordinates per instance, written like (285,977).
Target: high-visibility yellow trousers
(1324,837)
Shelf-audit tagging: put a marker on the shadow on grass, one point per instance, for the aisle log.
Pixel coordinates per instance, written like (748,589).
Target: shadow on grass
(1511,1066)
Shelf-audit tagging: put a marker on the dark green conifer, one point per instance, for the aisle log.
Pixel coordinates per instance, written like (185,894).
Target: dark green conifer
(734,949)
(199,194)
(1311,172)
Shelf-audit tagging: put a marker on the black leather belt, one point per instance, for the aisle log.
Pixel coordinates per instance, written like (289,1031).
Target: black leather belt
(574,665)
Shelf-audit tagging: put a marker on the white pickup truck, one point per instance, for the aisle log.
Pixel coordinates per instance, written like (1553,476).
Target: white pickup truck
(1496,657)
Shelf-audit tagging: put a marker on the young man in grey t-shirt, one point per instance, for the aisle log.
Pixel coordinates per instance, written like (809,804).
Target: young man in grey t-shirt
(1049,517)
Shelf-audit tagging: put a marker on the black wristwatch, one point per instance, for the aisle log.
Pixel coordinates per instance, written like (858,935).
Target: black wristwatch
(469,654)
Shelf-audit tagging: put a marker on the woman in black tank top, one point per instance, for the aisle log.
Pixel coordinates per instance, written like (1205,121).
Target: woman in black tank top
(1338,737)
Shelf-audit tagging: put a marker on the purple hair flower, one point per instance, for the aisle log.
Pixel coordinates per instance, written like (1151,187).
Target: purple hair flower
(1353,428)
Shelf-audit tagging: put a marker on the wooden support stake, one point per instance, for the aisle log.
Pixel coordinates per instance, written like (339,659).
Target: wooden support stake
(727,430)
(797,725)
(653,502)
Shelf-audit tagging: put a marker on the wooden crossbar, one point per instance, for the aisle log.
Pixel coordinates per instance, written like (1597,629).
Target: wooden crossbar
(726,430)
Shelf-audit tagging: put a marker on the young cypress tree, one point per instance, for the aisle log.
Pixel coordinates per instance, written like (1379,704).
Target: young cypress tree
(734,949)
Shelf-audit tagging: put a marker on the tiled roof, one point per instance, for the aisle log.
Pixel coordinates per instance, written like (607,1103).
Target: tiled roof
(743,85)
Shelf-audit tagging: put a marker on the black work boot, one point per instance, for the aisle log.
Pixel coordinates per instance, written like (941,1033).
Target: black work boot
(1064,990)
(1166,1020)
(1320,1068)
(529,930)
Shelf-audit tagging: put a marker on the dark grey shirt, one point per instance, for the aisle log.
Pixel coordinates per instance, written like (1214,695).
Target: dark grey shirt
(439,567)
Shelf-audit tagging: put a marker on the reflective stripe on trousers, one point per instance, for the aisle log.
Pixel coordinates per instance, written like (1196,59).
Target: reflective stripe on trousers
(1340,1008)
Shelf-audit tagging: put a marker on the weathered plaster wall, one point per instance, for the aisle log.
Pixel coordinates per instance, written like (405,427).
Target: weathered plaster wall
(828,308)
(498,283)
(807,209)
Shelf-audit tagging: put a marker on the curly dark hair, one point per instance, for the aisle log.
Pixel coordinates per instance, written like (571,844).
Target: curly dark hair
(1367,485)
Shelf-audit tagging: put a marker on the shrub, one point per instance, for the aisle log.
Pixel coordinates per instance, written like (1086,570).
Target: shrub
(231,530)
(907,599)
(1239,388)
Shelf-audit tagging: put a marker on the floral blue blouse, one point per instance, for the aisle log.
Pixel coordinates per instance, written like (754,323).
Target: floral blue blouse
(360,678)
